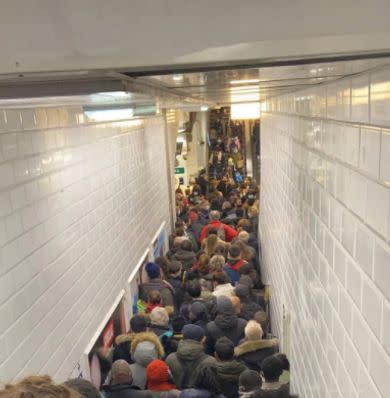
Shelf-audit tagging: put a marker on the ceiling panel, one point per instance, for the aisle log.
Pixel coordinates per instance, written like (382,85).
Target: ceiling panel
(218,86)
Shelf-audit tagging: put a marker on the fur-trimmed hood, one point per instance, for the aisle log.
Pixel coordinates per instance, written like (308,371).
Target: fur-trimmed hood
(147,336)
(124,338)
(254,345)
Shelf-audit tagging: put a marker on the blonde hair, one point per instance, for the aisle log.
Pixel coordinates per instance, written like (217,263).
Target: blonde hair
(216,263)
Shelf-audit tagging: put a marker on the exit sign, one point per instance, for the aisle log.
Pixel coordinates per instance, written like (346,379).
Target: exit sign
(179,170)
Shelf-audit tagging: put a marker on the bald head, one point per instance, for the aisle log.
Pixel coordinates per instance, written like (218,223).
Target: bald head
(121,372)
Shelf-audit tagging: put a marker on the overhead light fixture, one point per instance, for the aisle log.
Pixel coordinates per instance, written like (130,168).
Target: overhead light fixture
(250,110)
(178,78)
(245,81)
(110,113)
(204,108)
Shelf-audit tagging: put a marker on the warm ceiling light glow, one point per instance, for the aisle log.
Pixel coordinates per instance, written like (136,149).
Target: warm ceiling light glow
(245,111)
(204,108)
(178,78)
(245,81)
(104,115)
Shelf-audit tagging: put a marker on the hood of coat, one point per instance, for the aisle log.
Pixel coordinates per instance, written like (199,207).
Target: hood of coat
(124,338)
(189,350)
(255,345)
(145,353)
(226,321)
(230,370)
(147,336)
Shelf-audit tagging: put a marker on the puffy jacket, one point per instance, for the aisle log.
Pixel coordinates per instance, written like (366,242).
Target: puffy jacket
(187,258)
(124,391)
(230,233)
(225,325)
(252,353)
(183,363)
(228,374)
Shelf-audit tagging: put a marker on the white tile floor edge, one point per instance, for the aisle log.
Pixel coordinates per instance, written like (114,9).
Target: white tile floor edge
(325,211)
(79,204)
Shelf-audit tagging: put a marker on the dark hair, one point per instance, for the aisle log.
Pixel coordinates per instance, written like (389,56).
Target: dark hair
(83,387)
(206,378)
(154,297)
(272,368)
(138,324)
(224,348)
(178,324)
(246,269)
(284,359)
(220,278)
(211,231)
(179,231)
(186,245)
(163,262)
(194,288)
(234,251)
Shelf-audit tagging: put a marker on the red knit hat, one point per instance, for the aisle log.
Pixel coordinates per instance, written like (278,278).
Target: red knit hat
(157,374)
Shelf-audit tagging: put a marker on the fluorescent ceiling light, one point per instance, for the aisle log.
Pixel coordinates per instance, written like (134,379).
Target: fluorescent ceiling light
(181,130)
(117,94)
(245,111)
(104,115)
(177,78)
(245,81)
(204,108)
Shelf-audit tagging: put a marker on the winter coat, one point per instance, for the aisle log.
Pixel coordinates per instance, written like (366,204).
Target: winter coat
(253,352)
(122,348)
(225,325)
(144,353)
(277,391)
(147,336)
(232,270)
(224,290)
(197,393)
(183,363)
(166,394)
(163,287)
(229,232)
(160,330)
(228,374)
(195,228)
(179,290)
(124,391)
(187,258)
(249,309)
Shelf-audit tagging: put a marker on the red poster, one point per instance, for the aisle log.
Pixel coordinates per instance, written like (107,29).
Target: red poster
(108,335)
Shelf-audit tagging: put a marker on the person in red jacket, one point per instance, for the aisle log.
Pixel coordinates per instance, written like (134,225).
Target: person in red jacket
(225,232)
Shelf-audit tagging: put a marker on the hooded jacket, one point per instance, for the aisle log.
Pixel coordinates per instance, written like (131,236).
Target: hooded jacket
(225,325)
(253,352)
(124,391)
(183,363)
(187,258)
(144,353)
(249,309)
(228,375)
(147,336)
(232,269)
(163,287)
(122,347)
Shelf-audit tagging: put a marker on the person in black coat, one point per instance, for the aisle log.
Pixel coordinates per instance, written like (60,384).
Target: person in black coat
(248,306)
(120,386)
(226,324)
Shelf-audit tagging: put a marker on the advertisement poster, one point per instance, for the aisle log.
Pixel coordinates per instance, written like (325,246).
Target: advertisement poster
(140,277)
(159,244)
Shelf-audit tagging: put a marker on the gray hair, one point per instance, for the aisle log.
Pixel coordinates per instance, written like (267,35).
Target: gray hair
(214,215)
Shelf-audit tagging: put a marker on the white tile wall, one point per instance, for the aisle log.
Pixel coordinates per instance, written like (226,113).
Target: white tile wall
(79,205)
(325,214)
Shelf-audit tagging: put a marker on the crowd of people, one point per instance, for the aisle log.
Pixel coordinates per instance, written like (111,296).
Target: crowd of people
(202,326)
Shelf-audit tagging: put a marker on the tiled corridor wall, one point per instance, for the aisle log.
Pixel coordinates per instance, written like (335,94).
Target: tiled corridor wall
(325,204)
(79,205)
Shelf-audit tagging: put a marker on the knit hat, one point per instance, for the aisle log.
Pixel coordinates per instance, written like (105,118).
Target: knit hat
(224,305)
(249,380)
(242,291)
(193,332)
(159,317)
(253,331)
(153,270)
(157,375)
